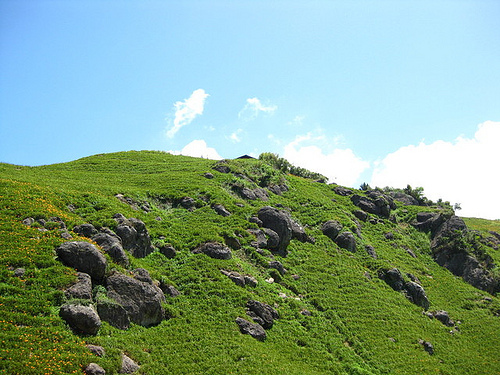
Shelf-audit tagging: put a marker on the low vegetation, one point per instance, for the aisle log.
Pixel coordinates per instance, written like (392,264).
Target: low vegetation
(337,313)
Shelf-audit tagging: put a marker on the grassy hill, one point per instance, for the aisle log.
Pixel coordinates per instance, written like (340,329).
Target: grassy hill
(337,316)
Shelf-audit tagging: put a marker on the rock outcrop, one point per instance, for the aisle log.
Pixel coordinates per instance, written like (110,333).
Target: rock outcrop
(253,329)
(412,290)
(262,313)
(84,257)
(134,236)
(455,248)
(141,300)
(81,319)
(280,222)
(214,250)
(112,245)
(82,289)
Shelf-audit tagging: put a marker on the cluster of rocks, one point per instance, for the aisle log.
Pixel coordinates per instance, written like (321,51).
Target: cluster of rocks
(117,298)
(263,316)
(448,233)
(333,230)
(128,365)
(239,279)
(52,223)
(124,298)
(412,289)
(443,317)
(257,192)
(276,230)
(375,203)
(214,250)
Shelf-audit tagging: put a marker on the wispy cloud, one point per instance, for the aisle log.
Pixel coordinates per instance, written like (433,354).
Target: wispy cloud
(297,121)
(236,136)
(341,166)
(254,107)
(199,149)
(187,110)
(456,171)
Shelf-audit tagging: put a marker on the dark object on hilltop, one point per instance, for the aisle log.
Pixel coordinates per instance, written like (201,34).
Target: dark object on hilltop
(245,157)
(214,250)
(81,319)
(84,257)
(253,329)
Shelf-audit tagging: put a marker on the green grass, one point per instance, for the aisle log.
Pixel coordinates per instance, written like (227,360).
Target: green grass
(359,325)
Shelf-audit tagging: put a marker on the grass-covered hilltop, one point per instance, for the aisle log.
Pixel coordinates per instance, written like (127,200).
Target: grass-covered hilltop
(149,263)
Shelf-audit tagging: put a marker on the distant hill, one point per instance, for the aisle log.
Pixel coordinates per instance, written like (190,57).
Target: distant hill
(162,264)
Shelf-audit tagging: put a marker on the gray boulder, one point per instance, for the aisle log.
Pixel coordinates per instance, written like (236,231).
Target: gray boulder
(331,229)
(262,313)
(141,300)
(81,319)
(279,222)
(82,289)
(221,210)
(277,266)
(346,240)
(96,350)
(112,245)
(94,369)
(253,329)
(416,294)
(394,279)
(371,251)
(235,277)
(443,317)
(260,238)
(84,257)
(85,230)
(134,235)
(273,240)
(214,250)
(113,313)
(168,250)
(128,366)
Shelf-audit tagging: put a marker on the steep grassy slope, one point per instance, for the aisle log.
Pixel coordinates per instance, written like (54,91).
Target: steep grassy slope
(357,323)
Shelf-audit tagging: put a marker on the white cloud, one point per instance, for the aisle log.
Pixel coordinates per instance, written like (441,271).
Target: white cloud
(236,136)
(340,166)
(199,149)
(463,171)
(297,121)
(253,107)
(187,110)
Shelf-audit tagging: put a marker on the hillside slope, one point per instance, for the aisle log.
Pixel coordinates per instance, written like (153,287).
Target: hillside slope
(366,299)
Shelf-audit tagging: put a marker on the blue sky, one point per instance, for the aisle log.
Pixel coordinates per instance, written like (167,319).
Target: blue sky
(384,92)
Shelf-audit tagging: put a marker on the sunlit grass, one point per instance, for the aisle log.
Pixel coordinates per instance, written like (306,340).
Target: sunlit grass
(358,325)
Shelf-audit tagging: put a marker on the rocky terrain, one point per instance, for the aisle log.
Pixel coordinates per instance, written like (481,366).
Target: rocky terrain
(149,263)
